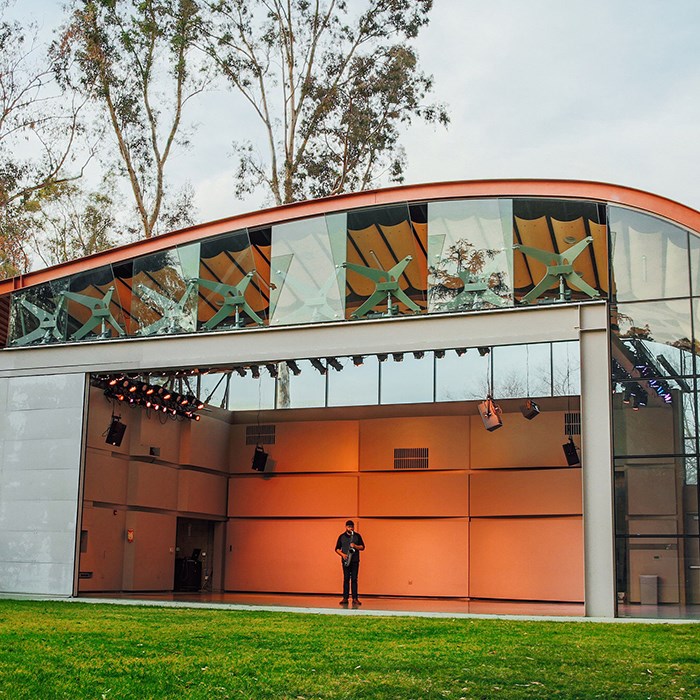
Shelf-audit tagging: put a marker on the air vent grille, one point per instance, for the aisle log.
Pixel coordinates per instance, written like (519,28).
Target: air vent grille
(572,423)
(411,458)
(260,435)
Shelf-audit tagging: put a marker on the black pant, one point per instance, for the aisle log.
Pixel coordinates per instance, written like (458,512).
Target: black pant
(350,578)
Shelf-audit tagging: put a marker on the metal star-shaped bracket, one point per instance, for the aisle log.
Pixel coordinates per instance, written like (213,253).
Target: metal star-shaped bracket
(233,301)
(386,286)
(100,314)
(173,314)
(476,289)
(48,323)
(560,266)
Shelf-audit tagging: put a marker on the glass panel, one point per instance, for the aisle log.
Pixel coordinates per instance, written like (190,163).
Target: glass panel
(469,254)
(406,380)
(213,389)
(522,371)
(93,304)
(694,241)
(308,279)
(650,256)
(307,389)
(38,314)
(165,291)
(463,377)
(653,338)
(561,250)
(566,366)
(234,280)
(386,263)
(250,393)
(356,385)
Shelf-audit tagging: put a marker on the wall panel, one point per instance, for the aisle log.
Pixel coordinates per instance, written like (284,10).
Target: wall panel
(149,561)
(106,477)
(152,485)
(104,556)
(201,493)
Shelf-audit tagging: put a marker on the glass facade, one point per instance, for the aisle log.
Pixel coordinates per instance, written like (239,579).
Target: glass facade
(442,257)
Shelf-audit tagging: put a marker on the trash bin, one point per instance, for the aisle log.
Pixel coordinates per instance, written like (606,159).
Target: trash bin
(649,590)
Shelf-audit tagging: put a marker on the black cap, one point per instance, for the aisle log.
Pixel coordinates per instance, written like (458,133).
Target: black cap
(350,523)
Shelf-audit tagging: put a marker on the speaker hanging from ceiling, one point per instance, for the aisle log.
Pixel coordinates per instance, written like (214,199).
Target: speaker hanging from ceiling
(115,432)
(259,459)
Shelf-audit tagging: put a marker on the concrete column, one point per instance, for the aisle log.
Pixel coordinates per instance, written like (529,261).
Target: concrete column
(596,444)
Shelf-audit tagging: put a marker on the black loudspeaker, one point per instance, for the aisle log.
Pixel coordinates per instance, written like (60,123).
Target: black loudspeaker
(571,453)
(259,459)
(491,415)
(530,409)
(115,433)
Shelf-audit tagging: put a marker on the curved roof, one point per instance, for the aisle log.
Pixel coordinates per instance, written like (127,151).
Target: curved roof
(566,189)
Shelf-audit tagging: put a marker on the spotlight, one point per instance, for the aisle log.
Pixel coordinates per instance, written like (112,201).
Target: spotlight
(490,414)
(484,351)
(259,459)
(255,371)
(358,360)
(132,388)
(294,368)
(115,432)
(272,369)
(319,365)
(439,354)
(530,409)
(397,356)
(419,354)
(333,362)
(239,370)
(627,396)
(382,357)
(571,453)
(460,351)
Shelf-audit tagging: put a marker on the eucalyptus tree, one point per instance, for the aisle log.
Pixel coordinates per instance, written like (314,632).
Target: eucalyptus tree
(39,125)
(332,83)
(135,60)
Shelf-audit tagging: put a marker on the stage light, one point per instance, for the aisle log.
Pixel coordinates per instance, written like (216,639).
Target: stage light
(484,351)
(293,368)
(132,388)
(460,351)
(358,360)
(239,370)
(490,414)
(333,362)
(255,371)
(397,356)
(439,354)
(627,396)
(319,365)
(382,357)
(530,409)
(419,354)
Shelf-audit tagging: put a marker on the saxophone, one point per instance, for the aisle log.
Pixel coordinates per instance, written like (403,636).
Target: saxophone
(351,550)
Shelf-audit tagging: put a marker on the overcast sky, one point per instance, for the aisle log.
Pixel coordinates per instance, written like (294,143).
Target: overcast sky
(604,90)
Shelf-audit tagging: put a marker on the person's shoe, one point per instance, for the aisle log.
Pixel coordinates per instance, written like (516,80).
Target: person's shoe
(344,601)
(356,602)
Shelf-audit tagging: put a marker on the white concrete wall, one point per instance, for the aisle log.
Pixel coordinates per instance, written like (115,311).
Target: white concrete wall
(41,420)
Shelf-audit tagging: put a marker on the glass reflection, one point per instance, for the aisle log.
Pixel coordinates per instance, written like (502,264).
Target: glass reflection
(566,369)
(464,377)
(406,379)
(469,254)
(385,262)
(654,334)
(251,393)
(234,280)
(649,256)
(93,304)
(306,388)
(522,371)
(357,384)
(38,314)
(165,291)
(307,275)
(561,250)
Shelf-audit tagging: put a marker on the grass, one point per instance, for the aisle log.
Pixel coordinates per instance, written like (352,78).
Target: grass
(75,650)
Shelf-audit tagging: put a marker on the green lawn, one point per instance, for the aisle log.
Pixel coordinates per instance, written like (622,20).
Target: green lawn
(77,650)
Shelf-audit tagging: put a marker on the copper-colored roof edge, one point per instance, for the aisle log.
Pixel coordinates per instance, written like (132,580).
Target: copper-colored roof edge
(579,189)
